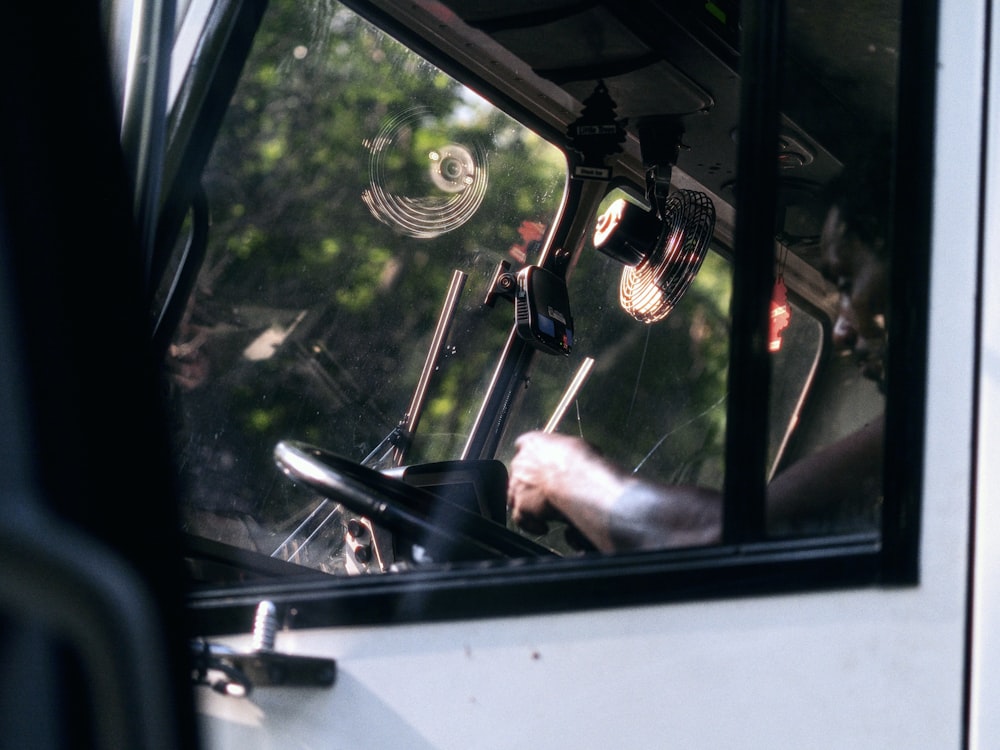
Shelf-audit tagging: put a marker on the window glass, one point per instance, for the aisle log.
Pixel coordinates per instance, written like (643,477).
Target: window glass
(351,185)
(834,197)
(362,204)
(655,396)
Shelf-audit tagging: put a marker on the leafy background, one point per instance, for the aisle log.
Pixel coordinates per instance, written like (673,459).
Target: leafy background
(311,318)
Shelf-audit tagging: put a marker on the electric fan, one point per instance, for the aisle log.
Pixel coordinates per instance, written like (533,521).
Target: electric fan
(662,255)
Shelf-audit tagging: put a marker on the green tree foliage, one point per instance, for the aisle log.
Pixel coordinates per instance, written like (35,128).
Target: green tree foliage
(311,316)
(313,313)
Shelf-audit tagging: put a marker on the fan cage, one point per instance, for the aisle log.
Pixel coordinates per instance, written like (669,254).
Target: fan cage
(650,290)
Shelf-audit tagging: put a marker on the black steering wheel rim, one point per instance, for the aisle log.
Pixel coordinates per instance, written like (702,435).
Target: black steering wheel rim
(402,508)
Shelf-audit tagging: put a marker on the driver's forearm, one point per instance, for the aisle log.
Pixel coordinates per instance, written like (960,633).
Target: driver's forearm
(650,516)
(841,480)
(617,511)
(585,495)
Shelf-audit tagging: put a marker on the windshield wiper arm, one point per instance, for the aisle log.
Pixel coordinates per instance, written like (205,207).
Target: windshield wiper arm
(399,439)
(582,373)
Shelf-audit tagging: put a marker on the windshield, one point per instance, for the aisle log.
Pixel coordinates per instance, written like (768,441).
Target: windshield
(655,396)
(352,188)
(362,203)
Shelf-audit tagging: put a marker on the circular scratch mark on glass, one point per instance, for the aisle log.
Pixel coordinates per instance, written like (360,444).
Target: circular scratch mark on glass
(423,182)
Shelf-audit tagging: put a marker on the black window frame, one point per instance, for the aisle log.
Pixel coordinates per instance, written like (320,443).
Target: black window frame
(744,564)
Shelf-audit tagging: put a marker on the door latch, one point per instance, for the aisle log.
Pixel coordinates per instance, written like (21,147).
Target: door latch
(236,673)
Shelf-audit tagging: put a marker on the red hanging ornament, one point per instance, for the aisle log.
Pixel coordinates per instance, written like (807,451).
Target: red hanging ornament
(531,239)
(781,314)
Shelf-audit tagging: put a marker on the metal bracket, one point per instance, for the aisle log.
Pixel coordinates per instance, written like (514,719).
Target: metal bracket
(238,673)
(503,284)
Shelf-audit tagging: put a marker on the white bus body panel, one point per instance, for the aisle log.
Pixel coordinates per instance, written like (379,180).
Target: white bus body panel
(872,668)
(984,721)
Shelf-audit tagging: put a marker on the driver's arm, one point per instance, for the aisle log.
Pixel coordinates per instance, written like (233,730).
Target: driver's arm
(833,485)
(557,477)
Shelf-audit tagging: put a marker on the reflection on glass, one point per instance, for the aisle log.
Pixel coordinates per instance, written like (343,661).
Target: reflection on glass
(836,219)
(422,183)
(655,399)
(350,182)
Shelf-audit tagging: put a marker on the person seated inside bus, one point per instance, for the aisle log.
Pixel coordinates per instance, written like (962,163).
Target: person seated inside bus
(557,477)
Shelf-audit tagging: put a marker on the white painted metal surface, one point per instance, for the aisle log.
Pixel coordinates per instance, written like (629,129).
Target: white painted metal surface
(984,721)
(875,668)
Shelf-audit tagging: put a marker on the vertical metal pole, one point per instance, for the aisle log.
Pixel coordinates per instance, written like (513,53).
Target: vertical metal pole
(753,271)
(144,114)
(910,242)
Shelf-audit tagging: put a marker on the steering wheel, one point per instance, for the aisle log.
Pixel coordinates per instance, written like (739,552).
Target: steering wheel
(448,531)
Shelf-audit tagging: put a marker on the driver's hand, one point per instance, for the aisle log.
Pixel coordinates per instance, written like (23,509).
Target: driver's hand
(541,473)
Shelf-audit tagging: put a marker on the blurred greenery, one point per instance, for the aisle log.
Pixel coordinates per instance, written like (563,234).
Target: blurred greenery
(656,399)
(649,382)
(312,316)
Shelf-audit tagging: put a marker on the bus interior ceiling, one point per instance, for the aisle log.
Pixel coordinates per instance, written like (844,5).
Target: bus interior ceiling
(673,65)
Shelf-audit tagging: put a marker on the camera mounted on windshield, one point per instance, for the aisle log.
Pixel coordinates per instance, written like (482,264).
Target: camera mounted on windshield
(541,306)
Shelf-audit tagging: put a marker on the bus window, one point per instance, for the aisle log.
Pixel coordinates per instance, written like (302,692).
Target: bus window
(351,187)
(348,372)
